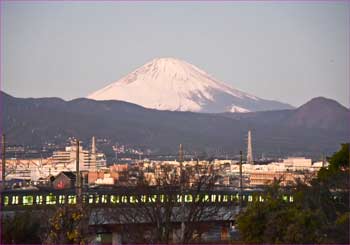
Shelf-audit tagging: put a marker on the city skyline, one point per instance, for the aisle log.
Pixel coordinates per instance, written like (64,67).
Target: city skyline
(174,122)
(69,50)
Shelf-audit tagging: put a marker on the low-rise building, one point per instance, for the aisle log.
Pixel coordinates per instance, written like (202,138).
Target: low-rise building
(262,178)
(64,180)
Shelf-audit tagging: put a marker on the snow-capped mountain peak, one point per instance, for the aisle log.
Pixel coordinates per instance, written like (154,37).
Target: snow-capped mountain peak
(173,84)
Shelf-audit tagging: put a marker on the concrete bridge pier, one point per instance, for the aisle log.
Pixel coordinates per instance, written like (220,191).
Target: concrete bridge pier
(224,233)
(116,238)
(176,233)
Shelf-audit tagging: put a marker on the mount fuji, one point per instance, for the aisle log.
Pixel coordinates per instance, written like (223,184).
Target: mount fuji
(175,85)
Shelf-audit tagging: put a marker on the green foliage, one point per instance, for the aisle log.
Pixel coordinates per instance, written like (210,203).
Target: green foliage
(276,221)
(21,228)
(338,166)
(340,160)
(319,214)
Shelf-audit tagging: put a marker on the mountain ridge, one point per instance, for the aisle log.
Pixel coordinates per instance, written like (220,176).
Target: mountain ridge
(36,121)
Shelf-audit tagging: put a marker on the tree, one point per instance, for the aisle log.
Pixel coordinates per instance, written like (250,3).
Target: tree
(68,225)
(319,213)
(160,221)
(337,174)
(21,228)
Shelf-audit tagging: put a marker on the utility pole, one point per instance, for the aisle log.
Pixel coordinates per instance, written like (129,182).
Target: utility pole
(182,196)
(77,166)
(323,160)
(3,163)
(240,181)
(3,184)
(93,154)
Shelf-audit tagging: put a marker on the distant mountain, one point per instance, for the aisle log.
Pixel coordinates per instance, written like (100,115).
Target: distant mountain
(312,129)
(175,85)
(320,113)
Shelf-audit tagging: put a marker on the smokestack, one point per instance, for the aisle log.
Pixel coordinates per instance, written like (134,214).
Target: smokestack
(3,164)
(250,150)
(93,145)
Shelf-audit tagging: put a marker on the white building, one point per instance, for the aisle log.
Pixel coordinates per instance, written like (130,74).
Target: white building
(297,163)
(60,161)
(88,160)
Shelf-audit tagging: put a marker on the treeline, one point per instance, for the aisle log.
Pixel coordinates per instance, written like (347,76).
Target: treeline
(319,214)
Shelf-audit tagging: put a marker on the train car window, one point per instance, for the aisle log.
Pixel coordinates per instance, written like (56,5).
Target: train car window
(50,199)
(28,200)
(61,199)
(72,199)
(39,200)
(6,200)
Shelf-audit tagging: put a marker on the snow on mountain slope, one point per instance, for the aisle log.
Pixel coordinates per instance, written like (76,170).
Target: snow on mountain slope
(173,84)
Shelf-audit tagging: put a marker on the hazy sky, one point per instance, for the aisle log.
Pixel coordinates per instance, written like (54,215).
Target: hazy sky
(275,50)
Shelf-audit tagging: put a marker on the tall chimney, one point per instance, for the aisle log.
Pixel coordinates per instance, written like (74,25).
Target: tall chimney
(250,150)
